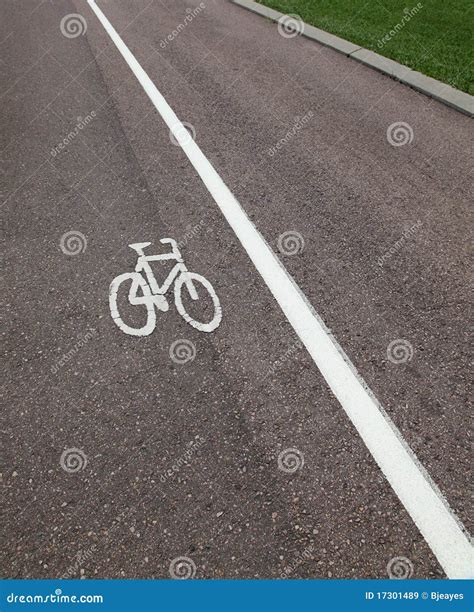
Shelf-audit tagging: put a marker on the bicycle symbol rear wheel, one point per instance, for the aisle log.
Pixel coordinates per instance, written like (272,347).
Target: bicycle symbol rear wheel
(197,278)
(137,282)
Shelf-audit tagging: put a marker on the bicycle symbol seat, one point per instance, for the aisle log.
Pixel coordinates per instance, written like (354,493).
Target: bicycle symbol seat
(145,290)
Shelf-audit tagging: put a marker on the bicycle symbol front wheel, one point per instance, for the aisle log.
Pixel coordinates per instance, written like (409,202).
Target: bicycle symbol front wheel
(197,278)
(138,282)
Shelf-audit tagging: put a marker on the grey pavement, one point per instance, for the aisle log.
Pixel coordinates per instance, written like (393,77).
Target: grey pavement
(181,459)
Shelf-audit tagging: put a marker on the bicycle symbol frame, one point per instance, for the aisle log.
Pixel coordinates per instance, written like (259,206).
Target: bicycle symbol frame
(153,295)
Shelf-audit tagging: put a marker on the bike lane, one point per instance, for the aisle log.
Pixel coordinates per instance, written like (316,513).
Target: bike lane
(185,54)
(138,410)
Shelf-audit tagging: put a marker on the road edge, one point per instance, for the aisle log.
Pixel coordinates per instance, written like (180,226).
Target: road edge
(433,88)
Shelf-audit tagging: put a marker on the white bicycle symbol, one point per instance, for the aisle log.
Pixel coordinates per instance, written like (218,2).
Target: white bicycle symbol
(153,296)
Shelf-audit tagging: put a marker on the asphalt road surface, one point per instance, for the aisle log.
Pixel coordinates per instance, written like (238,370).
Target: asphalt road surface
(124,453)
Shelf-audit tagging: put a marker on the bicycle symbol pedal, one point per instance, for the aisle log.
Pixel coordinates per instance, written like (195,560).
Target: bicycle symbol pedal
(146,291)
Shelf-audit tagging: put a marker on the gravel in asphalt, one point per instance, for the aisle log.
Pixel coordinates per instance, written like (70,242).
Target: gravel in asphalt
(181,459)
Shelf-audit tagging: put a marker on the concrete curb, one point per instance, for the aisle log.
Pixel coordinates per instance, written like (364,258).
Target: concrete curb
(442,92)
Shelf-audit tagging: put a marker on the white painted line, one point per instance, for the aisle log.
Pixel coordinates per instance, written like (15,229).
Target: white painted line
(420,496)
